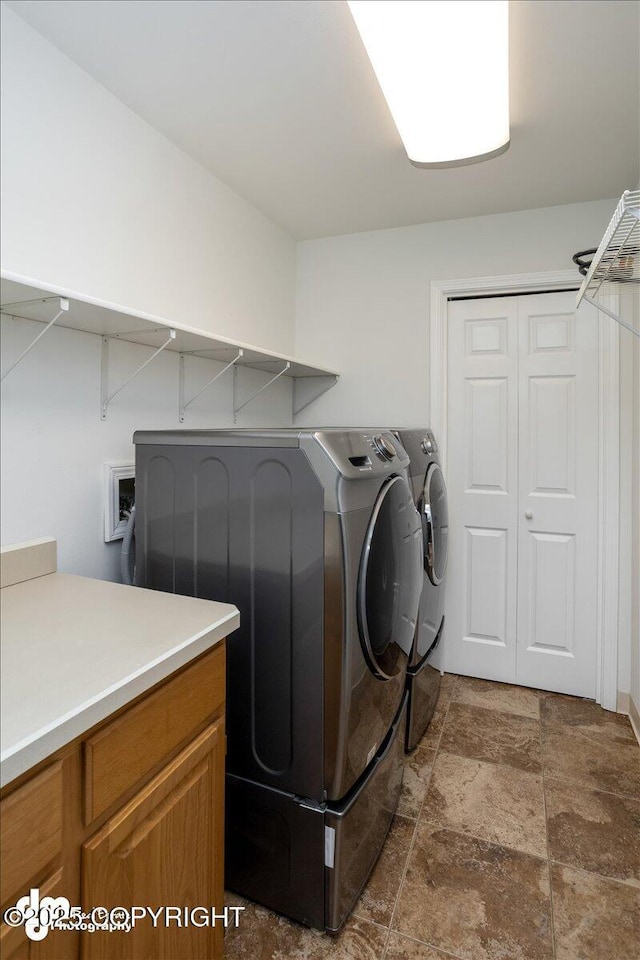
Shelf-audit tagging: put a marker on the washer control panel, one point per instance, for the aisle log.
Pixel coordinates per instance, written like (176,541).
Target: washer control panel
(428,444)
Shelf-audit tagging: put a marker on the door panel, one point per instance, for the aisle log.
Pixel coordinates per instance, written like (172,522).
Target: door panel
(558,508)
(550,627)
(523,483)
(482,483)
(485,588)
(552,423)
(487,448)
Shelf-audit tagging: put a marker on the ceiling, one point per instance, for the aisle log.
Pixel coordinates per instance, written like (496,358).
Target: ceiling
(278,99)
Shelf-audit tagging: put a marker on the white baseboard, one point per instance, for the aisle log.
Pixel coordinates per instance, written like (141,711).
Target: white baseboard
(623,702)
(634,716)
(626,705)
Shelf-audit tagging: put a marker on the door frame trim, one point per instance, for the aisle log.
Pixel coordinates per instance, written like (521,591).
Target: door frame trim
(608,438)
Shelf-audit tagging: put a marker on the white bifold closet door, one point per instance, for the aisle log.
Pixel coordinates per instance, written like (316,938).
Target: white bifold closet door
(522,465)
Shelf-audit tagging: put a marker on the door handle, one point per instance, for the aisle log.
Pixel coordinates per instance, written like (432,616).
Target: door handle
(528,514)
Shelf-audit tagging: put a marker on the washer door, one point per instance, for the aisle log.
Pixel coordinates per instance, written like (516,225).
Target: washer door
(435,519)
(390,580)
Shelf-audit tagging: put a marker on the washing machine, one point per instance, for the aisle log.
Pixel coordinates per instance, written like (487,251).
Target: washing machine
(430,496)
(314,536)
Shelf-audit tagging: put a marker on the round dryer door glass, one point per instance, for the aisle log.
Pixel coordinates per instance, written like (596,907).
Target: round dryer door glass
(390,580)
(435,518)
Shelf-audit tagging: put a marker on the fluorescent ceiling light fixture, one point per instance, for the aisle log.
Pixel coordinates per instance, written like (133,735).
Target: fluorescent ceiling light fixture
(443,66)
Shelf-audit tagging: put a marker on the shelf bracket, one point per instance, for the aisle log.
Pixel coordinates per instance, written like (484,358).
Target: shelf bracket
(302,396)
(237,408)
(64,306)
(105,396)
(182,404)
(610,313)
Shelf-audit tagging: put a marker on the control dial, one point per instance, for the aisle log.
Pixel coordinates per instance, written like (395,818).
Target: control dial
(384,448)
(427,445)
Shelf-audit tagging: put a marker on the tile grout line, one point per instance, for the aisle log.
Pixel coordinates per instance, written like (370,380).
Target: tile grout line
(598,876)
(546,830)
(591,789)
(386,943)
(423,943)
(509,713)
(496,763)
(494,843)
(417,823)
(367,922)
(404,873)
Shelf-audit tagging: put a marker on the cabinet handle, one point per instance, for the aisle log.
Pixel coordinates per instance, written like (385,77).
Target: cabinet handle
(528,514)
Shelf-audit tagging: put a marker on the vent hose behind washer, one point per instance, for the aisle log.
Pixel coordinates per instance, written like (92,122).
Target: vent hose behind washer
(128,554)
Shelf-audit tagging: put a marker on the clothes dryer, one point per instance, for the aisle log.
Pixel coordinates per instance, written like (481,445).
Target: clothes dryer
(430,496)
(315,537)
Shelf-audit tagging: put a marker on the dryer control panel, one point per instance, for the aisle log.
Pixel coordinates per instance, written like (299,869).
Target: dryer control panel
(358,453)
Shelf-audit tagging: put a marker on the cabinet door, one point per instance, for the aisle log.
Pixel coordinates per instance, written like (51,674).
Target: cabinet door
(163,849)
(57,945)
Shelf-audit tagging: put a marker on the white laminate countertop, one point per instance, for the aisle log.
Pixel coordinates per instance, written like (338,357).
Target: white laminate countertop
(74,650)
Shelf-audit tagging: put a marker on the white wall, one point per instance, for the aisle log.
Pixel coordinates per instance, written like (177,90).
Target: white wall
(627,593)
(635,526)
(363,299)
(629,624)
(97,202)
(54,444)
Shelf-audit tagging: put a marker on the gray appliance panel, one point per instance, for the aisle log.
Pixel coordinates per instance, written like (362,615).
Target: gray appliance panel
(424,688)
(433,505)
(311,862)
(367,704)
(355,454)
(246,525)
(432,600)
(361,825)
(429,620)
(274,851)
(240,525)
(413,440)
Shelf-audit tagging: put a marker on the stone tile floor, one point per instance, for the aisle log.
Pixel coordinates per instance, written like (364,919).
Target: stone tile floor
(517,837)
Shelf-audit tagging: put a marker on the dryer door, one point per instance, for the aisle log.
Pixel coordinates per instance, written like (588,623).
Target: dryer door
(435,521)
(390,580)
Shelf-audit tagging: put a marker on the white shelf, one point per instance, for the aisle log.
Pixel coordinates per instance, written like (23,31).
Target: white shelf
(24,299)
(616,262)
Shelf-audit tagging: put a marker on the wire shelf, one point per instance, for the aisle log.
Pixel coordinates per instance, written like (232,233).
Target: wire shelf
(617,259)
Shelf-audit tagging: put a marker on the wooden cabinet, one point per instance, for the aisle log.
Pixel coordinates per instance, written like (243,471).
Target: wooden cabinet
(131,814)
(127,749)
(163,850)
(31,828)
(16,945)
(32,855)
